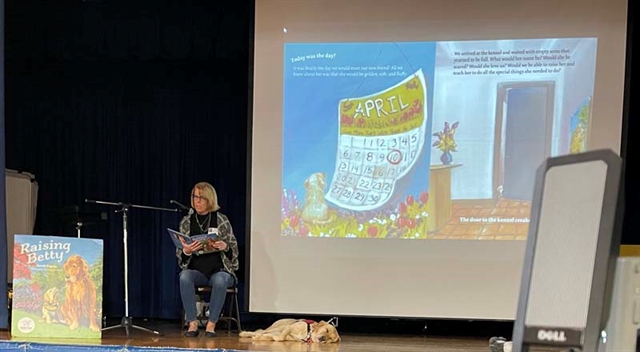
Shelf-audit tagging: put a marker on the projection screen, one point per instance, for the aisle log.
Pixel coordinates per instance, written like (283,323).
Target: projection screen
(395,142)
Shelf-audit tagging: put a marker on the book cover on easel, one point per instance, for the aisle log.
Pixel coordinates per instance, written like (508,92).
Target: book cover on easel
(57,287)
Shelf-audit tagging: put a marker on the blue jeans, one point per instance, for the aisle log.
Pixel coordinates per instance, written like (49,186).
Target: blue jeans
(219,283)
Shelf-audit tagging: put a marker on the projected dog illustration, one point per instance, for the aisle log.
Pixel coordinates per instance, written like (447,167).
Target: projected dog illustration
(315,210)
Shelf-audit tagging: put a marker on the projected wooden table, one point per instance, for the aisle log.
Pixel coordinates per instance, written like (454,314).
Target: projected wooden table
(439,203)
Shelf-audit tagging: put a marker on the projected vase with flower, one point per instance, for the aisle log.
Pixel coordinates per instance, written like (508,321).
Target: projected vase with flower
(446,142)
(446,158)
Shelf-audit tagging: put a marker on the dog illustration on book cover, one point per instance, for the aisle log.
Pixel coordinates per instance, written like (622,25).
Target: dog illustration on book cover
(57,287)
(80,295)
(51,307)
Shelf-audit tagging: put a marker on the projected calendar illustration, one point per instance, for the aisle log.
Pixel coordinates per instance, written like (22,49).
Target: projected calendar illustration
(380,139)
(356,127)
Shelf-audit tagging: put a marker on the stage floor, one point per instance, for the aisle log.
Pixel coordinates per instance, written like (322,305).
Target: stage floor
(172,337)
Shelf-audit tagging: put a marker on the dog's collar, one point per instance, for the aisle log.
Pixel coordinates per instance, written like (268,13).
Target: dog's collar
(308,337)
(51,307)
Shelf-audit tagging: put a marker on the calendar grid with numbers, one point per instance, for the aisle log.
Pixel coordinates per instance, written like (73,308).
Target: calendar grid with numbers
(380,139)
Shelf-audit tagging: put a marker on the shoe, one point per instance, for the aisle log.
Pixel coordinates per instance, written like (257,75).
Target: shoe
(192,333)
(210,334)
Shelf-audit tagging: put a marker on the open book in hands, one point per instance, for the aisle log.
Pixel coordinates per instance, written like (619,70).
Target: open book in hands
(207,240)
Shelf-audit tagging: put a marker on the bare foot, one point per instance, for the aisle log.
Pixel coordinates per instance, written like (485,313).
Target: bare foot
(211,327)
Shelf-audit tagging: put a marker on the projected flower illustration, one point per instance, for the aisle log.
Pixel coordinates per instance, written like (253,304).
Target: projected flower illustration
(406,219)
(446,142)
(579,124)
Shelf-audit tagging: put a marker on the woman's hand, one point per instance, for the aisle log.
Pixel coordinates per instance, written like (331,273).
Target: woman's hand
(220,245)
(193,247)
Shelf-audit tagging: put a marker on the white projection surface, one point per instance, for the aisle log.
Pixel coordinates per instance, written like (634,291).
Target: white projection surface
(395,144)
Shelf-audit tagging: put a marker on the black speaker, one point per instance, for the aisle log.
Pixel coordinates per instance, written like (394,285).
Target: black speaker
(571,252)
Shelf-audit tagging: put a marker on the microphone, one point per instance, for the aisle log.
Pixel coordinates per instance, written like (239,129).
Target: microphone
(179,205)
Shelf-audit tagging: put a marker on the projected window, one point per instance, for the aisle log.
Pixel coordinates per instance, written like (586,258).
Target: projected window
(427,140)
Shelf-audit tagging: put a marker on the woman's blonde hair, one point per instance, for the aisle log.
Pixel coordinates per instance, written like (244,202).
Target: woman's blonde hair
(207,192)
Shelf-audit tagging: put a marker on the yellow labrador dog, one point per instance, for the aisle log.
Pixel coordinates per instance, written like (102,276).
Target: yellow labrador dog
(296,330)
(315,209)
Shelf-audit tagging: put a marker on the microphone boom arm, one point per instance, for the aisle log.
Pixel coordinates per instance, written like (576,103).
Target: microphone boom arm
(184,207)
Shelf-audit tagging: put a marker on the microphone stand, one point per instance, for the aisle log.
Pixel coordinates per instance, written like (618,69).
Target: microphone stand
(126,321)
(78,227)
(182,206)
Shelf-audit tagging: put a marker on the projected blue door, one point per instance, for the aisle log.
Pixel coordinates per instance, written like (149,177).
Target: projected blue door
(527,126)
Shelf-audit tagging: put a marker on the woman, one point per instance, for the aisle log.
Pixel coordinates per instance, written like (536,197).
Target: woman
(216,269)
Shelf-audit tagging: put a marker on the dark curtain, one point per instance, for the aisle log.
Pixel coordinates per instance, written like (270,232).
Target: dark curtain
(4,312)
(130,101)
(630,126)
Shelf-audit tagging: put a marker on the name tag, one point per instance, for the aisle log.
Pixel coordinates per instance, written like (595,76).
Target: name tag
(212,230)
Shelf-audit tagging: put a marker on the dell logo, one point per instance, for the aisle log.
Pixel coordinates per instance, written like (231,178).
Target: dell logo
(551,335)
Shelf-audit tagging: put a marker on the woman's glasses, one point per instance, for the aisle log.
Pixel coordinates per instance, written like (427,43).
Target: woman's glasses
(196,197)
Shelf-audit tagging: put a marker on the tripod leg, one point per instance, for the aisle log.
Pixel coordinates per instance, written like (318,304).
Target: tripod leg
(125,323)
(112,327)
(145,329)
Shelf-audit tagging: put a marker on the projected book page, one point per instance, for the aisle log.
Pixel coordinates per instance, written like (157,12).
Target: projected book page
(356,139)
(428,140)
